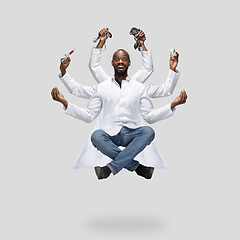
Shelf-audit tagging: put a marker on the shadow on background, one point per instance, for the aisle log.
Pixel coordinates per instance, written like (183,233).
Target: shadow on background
(125,224)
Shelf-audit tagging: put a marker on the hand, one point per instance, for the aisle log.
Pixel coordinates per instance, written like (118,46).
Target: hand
(64,64)
(142,35)
(181,99)
(104,34)
(143,38)
(57,96)
(173,62)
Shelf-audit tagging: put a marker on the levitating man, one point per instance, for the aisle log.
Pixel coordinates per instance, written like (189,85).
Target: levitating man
(121,101)
(89,156)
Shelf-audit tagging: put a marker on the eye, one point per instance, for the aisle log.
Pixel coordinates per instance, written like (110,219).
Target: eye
(116,59)
(124,59)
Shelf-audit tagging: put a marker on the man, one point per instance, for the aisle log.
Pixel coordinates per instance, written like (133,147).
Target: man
(88,156)
(121,102)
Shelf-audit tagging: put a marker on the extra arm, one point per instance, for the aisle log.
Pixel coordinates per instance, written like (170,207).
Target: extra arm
(165,89)
(72,86)
(152,115)
(85,114)
(147,67)
(75,88)
(94,65)
(168,87)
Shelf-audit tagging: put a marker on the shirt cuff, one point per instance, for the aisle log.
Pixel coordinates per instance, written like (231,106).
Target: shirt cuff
(97,50)
(66,77)
(173,110)
(171,73)
(66,109)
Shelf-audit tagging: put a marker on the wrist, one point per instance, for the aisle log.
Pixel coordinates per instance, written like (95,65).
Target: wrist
(143,46)
(173,105)
(65,103)
(63,71)
(173,69)
(101,43)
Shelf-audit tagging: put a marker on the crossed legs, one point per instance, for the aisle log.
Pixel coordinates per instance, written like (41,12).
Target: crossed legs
(134,141)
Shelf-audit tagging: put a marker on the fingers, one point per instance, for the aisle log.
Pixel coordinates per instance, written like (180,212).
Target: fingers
(174,57)
(54,93)
(65,61)
(140,33)
(183,96)
(181,99)
(103,32)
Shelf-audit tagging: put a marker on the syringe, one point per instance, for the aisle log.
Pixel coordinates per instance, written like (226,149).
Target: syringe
(69,54)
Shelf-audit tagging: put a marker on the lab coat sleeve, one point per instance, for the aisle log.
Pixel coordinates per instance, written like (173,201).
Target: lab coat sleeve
(166,89)
(86,114)
(75,88)
(94,66)
(151,115)
(147,67)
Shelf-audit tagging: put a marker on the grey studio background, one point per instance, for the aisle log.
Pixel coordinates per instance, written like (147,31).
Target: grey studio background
(197,197)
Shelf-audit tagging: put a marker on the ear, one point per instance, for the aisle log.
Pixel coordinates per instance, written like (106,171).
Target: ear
(129,63)
(112,62)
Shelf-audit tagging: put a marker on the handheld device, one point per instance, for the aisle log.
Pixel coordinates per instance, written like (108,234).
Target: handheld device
(134,31)
(173,52)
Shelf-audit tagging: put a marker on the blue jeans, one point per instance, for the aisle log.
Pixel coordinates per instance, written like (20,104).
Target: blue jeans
(134,141)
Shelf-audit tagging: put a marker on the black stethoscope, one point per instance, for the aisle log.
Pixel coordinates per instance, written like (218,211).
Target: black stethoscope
(95,39)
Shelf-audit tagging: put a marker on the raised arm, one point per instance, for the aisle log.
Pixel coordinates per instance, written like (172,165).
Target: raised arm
(85,114)
(72,86)
(147,64)
(167,88)
(94,64)
(152,115)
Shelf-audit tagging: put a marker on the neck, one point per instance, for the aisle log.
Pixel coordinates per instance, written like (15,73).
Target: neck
(120,77)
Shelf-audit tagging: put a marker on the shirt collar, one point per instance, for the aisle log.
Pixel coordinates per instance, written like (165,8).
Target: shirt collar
(127,78)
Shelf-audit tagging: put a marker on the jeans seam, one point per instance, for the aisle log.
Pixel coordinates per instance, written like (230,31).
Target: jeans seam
(130,133)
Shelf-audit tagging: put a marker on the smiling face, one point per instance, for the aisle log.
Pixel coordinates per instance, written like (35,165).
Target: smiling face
(121,62)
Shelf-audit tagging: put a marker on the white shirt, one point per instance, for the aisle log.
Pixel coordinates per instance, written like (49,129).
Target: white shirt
(120,106)
(89,156)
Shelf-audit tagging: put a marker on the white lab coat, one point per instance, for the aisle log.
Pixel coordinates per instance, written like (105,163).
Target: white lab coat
(89,156)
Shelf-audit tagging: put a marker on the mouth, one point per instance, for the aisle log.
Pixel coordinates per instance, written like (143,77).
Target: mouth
(120,67)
